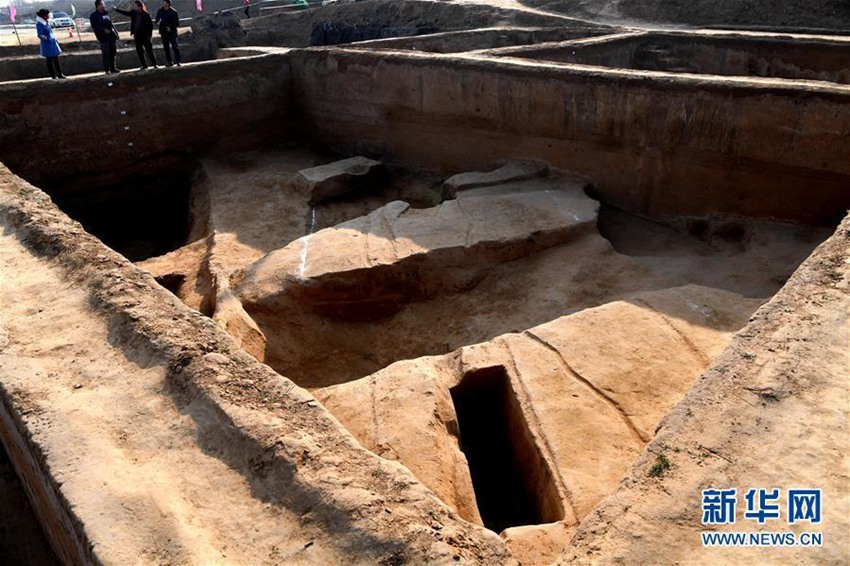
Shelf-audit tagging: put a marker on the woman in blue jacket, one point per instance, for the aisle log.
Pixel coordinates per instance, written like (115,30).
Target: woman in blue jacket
(49,46)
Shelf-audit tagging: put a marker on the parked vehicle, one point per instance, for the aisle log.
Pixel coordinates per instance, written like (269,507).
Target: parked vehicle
(61,20)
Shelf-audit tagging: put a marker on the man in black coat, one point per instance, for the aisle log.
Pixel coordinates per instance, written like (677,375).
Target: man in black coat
(106,34)
(169,20)
(141,28)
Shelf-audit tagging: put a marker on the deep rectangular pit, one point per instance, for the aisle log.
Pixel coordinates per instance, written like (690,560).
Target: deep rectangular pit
(814,58)
(139,218)
(513,483)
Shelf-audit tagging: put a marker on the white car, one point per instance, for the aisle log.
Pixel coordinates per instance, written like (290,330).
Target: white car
(61,20)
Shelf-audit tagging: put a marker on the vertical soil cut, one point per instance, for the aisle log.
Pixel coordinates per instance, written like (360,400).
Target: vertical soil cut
(22,541)
(513,483)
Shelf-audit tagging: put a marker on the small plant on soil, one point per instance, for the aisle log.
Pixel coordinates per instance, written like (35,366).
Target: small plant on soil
(661,465)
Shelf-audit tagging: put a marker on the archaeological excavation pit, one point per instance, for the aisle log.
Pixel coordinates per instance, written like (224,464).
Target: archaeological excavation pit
(428,296)
(513,485)
(139,218)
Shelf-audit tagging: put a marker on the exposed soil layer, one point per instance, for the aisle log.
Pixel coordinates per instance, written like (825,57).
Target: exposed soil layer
(21,540)
(252,210)
(159,416)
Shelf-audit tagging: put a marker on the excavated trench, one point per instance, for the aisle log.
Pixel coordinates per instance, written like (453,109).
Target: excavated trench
(719,54)
(513,484)
(465,266)
(327,321)
(511,335)
(216,230)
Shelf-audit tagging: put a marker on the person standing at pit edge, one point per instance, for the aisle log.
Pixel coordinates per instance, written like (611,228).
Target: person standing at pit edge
(247,4)
(141,28)
(169,20)
(106,34)
(50,49)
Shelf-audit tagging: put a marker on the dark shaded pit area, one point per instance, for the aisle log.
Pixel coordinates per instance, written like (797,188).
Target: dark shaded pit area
(22,542)
(634,235)
(512,482)
(139,218)
(172,281)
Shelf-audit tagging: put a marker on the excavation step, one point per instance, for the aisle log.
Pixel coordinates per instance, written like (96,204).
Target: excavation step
(511,171)
(372,266)
(331,180)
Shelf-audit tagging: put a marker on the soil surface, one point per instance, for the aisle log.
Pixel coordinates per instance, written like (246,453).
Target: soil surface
(592,388)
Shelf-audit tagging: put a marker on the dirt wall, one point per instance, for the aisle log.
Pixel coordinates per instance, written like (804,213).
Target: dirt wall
(616,50)
(98,130)
(655,144)
(792,58)
(757,55)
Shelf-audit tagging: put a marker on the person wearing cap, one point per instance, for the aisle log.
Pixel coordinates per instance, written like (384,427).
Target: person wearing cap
(50,49)
(106,34)
(141,28)
(169,20)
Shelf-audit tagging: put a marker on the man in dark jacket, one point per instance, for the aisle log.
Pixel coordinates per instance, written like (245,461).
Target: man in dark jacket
(141,28)
(106,34)
(168,20)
